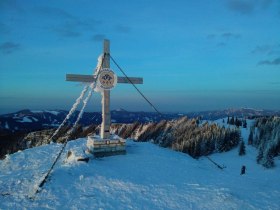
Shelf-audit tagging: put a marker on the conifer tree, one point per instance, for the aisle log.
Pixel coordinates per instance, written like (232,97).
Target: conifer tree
(236,122)
(250,138)
(260,155)
(231,122)
(268,160)
(244,124)
(242,149)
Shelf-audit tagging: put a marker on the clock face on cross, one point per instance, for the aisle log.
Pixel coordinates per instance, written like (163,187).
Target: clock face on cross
(107,79)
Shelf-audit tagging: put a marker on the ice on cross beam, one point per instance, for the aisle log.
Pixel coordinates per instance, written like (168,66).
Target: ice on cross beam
(105,79)
(92,78)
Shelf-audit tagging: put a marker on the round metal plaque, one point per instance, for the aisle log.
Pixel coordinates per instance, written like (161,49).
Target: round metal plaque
(107,79)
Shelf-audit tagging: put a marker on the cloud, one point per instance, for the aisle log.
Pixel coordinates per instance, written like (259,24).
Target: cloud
(10,5)
(9,47)
(276,61)
(221,44)
(229,35)
(66,32)
(54,12)
(122,29)
(241,6)
(211,36)
(266,49)
(66,24)
(98,37)
(4,29)
(265,3)
(274,83)
(225,35)
(224,38)
(247,6)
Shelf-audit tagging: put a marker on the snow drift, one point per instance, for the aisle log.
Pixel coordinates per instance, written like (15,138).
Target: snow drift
(148,177)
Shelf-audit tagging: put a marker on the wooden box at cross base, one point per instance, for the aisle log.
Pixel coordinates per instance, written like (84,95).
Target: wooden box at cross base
(106,147)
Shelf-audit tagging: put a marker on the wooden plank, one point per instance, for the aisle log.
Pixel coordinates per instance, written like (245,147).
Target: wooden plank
(80,78)
(91,78)
(108,153)
(134,80)
(106,114)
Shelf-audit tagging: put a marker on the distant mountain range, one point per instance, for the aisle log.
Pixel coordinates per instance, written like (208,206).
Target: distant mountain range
(241,112)
(27,120)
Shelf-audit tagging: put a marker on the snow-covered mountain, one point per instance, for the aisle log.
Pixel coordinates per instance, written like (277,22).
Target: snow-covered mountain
(237,112)
(27,120)
(183,134)
(147,177)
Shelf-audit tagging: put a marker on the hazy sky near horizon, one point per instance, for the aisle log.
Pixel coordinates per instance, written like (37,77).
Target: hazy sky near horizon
(193,54)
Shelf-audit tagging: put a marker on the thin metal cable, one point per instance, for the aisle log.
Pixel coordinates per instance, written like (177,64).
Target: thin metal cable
(64,145)
(135,86)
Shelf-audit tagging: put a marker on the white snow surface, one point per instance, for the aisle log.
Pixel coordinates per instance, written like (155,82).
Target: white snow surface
(49,111)
(7,125)
(25,119)
(147,177)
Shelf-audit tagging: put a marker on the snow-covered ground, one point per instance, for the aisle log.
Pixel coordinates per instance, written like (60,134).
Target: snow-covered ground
(25,119)
(147,177)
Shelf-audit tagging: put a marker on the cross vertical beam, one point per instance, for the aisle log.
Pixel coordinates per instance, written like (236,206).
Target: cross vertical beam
(106,115)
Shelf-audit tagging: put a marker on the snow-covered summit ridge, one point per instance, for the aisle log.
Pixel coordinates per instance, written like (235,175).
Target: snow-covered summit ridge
(148,177)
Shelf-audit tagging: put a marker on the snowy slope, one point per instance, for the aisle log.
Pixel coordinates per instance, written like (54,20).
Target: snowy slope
(147,177)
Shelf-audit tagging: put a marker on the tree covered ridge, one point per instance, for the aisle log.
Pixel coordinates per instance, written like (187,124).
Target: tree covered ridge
(184,135)
(265,135)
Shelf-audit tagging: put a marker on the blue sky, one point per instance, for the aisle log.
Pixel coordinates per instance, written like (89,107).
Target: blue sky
(193,55)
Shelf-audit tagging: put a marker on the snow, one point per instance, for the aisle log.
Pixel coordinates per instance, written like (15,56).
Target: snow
(35,119)
(25,120)
(7,125)
(244,131)
(147,177)
(53,112)
(48,111)
(257,110)
(52,124)
(147,119)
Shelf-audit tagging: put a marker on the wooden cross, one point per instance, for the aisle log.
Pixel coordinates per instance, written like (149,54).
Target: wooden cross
(106,115)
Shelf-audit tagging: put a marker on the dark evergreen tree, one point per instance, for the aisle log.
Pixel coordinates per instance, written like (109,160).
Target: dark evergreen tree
(237,122)
(242,149)
(260,155)
(209,147)
(197,150)
(243,170)
(268,160)
(231,122)
(228,120)
(244,124)
(250,138)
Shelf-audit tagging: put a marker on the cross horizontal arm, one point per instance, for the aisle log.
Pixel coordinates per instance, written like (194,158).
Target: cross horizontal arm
(80,78)
(134,80)
(92,78)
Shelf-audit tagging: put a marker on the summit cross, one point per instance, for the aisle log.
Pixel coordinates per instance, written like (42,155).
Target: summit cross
(107,80)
